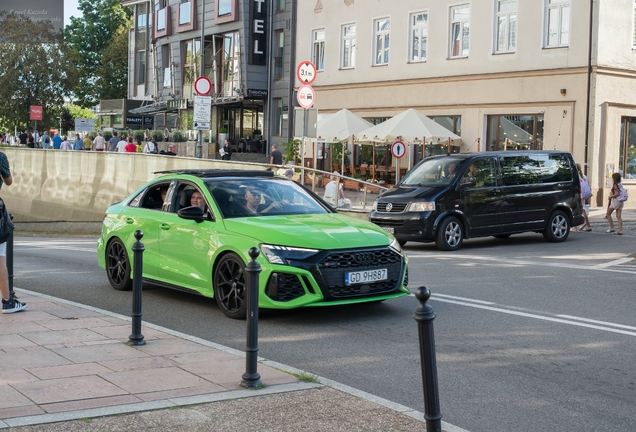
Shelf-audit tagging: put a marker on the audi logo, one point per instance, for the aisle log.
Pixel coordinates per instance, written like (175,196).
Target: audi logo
(364,259)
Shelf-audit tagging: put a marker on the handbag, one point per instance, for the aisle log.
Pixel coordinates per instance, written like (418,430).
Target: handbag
(586,191)
(623,195)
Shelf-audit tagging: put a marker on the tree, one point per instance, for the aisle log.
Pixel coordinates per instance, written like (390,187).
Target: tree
(37,69)
(88,37)
(111,78)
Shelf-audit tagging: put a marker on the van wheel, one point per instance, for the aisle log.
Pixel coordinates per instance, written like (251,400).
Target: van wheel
(449,234)
(558,228)
(501,236)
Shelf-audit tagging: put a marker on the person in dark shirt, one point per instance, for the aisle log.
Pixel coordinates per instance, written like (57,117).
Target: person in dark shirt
(227,150)
(277,156)
(23,138)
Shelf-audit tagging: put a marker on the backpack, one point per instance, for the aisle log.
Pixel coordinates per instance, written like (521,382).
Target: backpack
(6,224)
(47,140)
(623,195)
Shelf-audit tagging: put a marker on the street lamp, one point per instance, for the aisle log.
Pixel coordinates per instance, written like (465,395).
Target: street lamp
(60,117)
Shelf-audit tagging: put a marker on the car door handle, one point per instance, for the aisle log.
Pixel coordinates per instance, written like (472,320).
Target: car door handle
(496,191)
(164,226)
(130,220)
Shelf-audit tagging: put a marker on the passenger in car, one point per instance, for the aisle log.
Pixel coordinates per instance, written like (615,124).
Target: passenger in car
(197,200)
(253,201)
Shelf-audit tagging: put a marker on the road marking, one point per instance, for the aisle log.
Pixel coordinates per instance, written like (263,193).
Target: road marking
(71,245)
(499,260)
(613,263)
(587,323)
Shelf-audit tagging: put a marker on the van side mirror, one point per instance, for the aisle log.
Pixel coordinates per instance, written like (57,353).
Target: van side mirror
(468,182)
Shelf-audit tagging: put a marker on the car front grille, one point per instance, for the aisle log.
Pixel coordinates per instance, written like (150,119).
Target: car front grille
(284,287)
(395,207)
(388,222)
(333,267)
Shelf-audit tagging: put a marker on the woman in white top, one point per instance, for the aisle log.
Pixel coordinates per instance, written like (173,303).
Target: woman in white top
(336,198)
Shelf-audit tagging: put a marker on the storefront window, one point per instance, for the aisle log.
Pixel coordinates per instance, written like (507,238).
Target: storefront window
(231,63)
(627,152)
(515,132)
(118,120)
(191,50)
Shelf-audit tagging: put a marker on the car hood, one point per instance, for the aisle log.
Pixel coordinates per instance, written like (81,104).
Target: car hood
(326,231)
(408,193)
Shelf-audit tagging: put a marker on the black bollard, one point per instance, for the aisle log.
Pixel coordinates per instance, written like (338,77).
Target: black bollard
(10,259)
(424,315)
(251,377)
(136,338)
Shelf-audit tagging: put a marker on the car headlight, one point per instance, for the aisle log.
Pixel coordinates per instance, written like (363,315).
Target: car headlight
(282,254)
(395,247)
(375,205)
(421,206)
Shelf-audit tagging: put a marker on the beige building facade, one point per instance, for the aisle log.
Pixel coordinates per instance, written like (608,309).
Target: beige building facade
(502,74)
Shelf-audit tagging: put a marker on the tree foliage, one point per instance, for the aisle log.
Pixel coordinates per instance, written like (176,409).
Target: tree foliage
(111,78)
(37,69)
(88,37)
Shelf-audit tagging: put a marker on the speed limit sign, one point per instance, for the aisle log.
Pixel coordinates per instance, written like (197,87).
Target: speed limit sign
(398,149)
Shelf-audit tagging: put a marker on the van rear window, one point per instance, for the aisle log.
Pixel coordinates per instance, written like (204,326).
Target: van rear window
(531,169)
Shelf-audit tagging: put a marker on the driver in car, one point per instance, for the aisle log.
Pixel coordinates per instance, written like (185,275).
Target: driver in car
(253,201)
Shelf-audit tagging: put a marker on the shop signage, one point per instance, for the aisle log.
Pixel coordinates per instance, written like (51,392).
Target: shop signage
(149,121)
(84,125)
(258,32)
(36,112)
(176,104)
(257,94)
(133,120)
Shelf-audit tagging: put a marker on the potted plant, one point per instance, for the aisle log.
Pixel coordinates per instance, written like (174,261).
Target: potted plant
(157,135)
(178,136)
(257,134)
(223,135)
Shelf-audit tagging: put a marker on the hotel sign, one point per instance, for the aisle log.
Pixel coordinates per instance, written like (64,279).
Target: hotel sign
(258,33)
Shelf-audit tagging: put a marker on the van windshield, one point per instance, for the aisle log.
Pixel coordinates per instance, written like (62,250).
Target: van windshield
(434,172)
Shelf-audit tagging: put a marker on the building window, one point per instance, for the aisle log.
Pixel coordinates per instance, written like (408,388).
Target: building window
(184,13)
(231,63)
(141,67)
(165,61)
(279,38)
(515,132)
(382,30)
(142,21)
(419,36)
(452,123)
(557,23)
(506,26)
(190,66)
(460,31)
(225,7)
(278,117)
(627,152)
(318,49)
(161,19)
(348,60)
(280,6)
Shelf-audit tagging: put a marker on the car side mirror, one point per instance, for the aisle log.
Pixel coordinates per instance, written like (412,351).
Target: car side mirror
(191,213)
(468,182)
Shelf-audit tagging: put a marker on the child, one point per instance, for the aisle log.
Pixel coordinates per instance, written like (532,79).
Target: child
(618,191)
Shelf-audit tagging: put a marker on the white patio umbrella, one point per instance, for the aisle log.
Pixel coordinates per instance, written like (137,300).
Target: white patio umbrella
(341,126)
(410,127)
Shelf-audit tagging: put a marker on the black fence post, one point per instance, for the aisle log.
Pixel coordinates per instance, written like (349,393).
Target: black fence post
(10,260)
(251,377)
(424,315)
(136,338)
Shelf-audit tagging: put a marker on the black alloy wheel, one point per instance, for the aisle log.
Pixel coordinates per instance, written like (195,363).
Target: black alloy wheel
(558,228)
(229,286)
(449,234)
(118,266)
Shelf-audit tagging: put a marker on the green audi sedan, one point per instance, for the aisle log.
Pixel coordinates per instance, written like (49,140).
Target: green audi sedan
(198,226)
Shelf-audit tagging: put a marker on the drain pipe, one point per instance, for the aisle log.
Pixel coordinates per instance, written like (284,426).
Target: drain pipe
(589,85)
(270,55)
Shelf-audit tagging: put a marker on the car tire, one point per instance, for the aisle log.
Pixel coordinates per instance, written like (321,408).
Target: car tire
(118,266)
(558,227)
(501,236)
(230,287)
(449,234)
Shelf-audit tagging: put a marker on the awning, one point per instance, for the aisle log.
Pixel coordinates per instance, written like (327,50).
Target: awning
(150,109)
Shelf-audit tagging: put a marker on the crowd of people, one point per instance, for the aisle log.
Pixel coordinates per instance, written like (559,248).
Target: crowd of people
(121,144)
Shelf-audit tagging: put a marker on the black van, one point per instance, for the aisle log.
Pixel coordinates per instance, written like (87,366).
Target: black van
(450,198)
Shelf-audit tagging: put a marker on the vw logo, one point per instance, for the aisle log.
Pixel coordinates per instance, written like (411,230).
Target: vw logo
(364,259)
(389,207)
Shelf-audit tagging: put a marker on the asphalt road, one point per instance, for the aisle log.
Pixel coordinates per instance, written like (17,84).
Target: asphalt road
(529,335)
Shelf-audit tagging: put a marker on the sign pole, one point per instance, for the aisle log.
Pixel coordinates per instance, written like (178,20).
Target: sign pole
(302,147)
(199,152)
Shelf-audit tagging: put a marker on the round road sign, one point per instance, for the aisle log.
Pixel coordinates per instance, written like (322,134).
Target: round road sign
(306,96)
(202,86)
(398,149)
(306,72)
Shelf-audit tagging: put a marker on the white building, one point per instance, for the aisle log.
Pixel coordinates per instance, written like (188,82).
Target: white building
(500,73)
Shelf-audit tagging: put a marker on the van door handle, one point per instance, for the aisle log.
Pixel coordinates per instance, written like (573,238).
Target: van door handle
(164,226)
(496,191)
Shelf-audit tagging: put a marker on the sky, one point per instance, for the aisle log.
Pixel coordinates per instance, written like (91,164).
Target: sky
(70,9)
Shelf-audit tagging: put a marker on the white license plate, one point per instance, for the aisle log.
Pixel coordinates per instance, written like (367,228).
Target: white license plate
(389,229)
(362,277)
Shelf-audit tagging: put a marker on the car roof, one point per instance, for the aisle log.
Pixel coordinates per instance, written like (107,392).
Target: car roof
(213,173)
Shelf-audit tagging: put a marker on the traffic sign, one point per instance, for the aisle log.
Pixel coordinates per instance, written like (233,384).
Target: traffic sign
(203,86)
(202,110)
(398,149)
(36,112)
(306,96)
(306,72)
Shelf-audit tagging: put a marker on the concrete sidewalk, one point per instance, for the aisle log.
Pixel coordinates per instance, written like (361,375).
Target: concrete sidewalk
(67,367)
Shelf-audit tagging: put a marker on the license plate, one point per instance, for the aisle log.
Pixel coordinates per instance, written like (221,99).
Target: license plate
(389,229)
(362,277)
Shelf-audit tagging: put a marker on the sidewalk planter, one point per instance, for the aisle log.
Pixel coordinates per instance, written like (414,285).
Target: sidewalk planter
(350,184)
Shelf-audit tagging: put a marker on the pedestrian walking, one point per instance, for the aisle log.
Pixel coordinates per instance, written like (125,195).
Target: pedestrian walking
(121,145)
(99,143)
(130,147)
(617,198)
(277,157)
(586,195)
(78,144)
(31,141)
(113,141)
(151,147)
(87,142)
(57,141)
(36,138)
(10,303)
(23,138)
(65,144)
(46,141)
(226,151)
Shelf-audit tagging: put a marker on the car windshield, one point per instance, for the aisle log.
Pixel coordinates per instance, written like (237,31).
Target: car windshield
(261,197)
(434,171)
